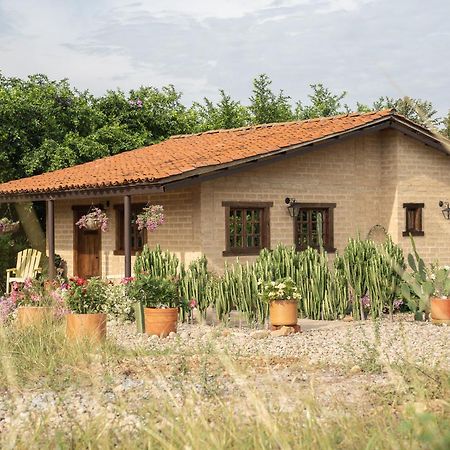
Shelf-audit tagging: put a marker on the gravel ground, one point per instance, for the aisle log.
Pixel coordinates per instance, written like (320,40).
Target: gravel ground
(332,344)
(336,364)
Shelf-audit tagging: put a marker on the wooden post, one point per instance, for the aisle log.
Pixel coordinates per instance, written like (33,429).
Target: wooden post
(138,309)
(51,239)
(127,234)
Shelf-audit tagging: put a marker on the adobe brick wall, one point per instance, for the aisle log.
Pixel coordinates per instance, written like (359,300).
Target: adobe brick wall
(179,234)
(369,178)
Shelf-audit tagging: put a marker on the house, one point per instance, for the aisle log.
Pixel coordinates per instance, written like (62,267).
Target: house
(224,192)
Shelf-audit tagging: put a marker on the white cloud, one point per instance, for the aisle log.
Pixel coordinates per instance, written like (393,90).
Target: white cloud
(200,46)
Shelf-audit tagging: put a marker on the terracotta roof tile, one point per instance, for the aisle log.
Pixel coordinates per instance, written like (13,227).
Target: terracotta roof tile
(184,153)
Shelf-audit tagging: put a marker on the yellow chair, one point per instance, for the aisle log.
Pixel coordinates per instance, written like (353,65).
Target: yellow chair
(27,267)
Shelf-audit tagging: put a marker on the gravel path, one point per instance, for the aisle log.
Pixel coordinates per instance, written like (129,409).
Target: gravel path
(338,343)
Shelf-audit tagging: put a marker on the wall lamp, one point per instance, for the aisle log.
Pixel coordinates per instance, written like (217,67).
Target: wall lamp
(293,207)
(445,209)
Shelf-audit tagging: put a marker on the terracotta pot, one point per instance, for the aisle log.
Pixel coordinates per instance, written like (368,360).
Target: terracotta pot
(440,310)
(283,312)
(160,321)
(86,326)
(34,316)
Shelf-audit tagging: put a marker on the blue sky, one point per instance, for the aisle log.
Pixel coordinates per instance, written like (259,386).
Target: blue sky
(366,47)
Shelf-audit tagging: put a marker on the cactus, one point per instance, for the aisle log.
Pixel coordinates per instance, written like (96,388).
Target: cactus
(417,288)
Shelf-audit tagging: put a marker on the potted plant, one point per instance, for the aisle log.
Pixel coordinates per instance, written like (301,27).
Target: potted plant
(86,299)
(160,300)
(282,297)
(95,219)
(35,304)
(8,226)
(151,217)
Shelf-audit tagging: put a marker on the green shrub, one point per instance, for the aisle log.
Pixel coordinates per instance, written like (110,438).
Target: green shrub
(86,296)
(153,292)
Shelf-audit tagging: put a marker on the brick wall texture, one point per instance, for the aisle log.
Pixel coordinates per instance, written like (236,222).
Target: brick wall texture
(369,178)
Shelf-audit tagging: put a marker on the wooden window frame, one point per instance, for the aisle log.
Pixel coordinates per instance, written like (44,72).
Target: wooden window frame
(417,207)
(118,208)
(265,227)
(328,246)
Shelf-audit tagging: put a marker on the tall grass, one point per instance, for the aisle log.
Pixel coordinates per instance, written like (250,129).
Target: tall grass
(262,409)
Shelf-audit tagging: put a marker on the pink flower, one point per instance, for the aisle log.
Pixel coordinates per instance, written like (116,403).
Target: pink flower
(193,303)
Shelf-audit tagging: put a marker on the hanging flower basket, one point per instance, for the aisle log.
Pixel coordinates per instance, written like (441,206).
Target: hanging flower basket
(96,219)
(8,226)
(151,218)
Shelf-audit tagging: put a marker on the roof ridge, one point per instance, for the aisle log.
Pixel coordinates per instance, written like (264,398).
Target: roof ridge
(387,111)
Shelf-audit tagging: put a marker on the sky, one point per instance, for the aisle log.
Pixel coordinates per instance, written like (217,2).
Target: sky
(368,48)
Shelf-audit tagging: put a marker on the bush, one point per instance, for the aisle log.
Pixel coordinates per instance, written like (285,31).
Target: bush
(118,304)
(86,296)
(153,292)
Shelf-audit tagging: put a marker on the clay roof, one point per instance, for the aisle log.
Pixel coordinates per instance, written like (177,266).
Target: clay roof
(183,155)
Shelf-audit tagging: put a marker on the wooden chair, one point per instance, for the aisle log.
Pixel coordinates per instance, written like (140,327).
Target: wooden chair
(27,267)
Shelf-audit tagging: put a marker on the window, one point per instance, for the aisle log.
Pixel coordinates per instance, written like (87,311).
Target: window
(138,238)
(413,221)
(246,227)
(306,229)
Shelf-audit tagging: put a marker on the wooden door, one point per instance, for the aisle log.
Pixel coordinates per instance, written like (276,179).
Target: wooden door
(87,249)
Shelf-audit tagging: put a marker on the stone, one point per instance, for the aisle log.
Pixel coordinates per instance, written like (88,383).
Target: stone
(153,337)
(355,369)
(260,334)
(172,334)
(283,331)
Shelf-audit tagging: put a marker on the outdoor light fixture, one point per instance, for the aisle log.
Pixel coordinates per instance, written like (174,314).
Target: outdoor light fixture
(293,207)
(445,209)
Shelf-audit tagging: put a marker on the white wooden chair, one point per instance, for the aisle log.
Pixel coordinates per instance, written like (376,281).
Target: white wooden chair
(27,267)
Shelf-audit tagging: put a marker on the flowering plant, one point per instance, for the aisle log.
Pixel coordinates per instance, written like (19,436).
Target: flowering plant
(283,289)
(32,293)
(151,217)
(118,304)
(94,220)
(7,225)
(86,296)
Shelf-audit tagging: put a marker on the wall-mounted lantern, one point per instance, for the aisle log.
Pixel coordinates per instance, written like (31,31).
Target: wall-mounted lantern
(293,207)
(445,209)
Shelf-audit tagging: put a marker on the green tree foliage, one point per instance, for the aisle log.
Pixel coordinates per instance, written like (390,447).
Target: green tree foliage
(323,103)
(47,125)
(266,106)
(417,110)
(226,113)
(446,126)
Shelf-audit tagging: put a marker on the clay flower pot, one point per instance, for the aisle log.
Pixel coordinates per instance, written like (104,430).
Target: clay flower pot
(34,316)
(283,312)
(160,321)
(86,326)
(440,310)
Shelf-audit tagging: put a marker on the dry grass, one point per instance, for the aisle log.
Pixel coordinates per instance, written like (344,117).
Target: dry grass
(59,395)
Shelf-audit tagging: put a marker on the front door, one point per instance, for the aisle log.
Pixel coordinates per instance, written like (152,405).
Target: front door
(87,251)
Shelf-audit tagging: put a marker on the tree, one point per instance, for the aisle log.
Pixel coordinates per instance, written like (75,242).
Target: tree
(446,126)
(267,107)
(226,113)
(323,104)
(417,110)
